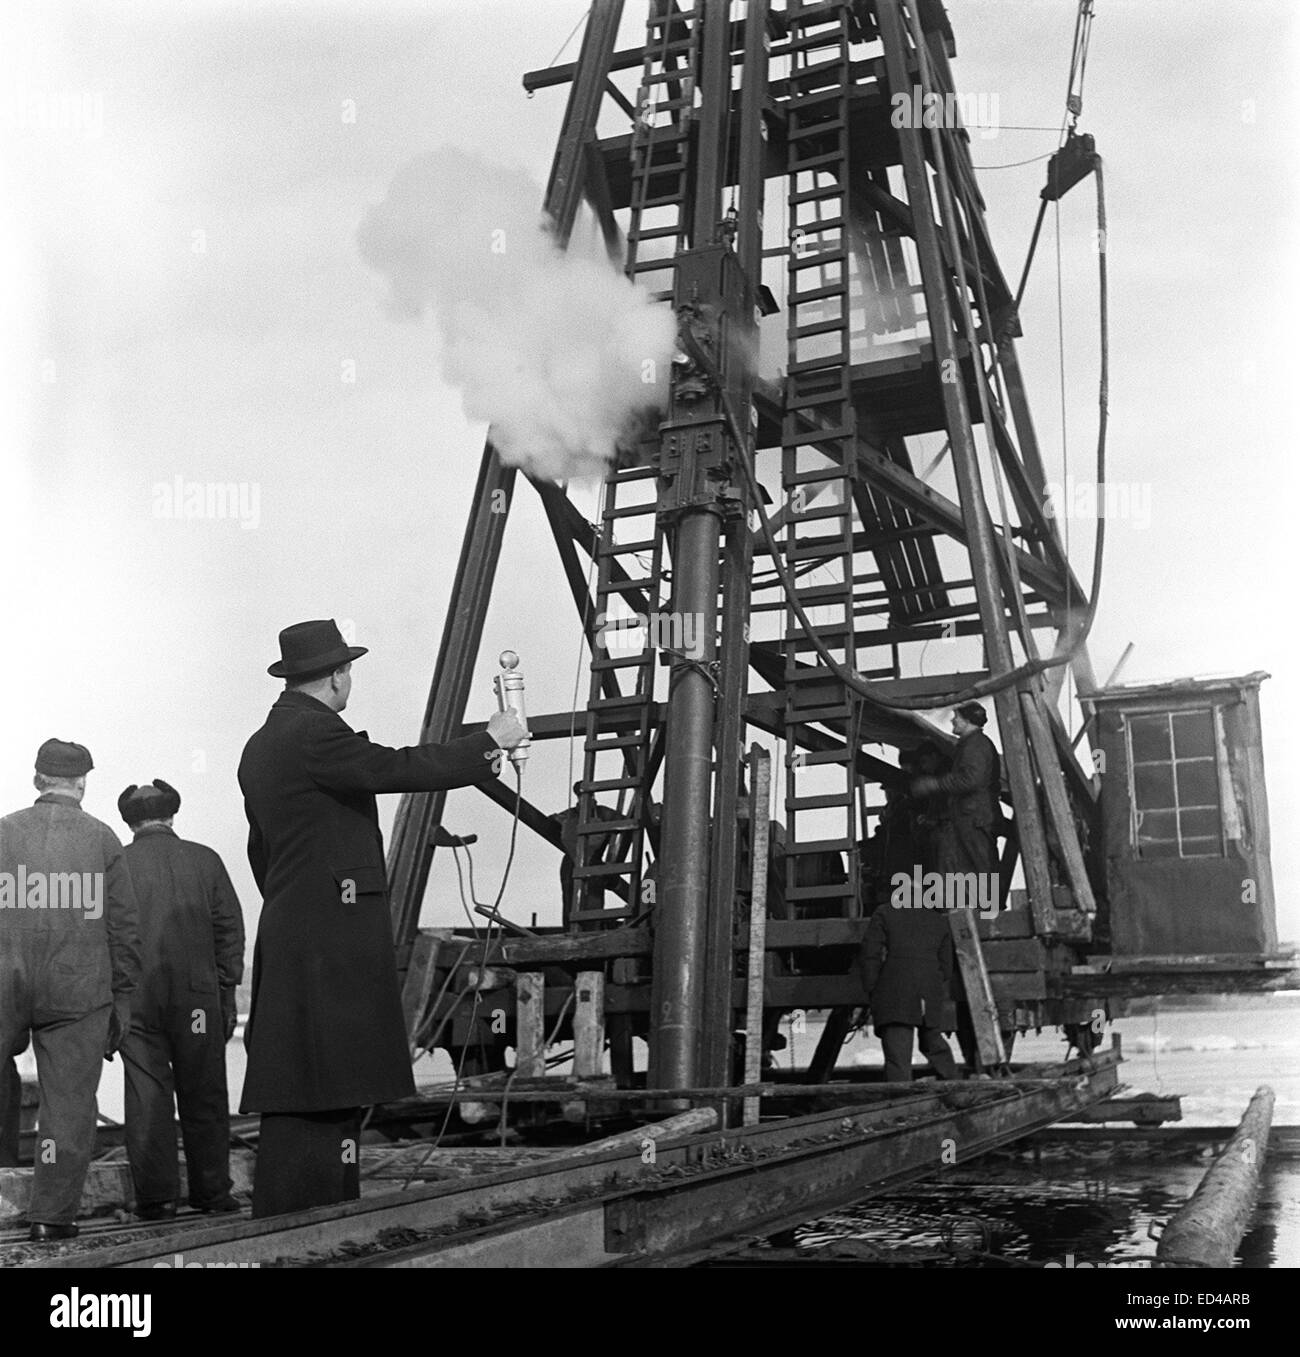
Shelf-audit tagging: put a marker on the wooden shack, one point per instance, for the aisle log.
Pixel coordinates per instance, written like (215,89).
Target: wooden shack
(1184,817)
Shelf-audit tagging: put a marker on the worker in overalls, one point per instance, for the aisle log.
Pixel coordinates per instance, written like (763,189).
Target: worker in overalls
(69,961)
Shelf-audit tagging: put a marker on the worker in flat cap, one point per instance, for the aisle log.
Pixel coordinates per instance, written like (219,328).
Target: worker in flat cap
(325,1034)
(183,1012)
(971,816)
(69,962)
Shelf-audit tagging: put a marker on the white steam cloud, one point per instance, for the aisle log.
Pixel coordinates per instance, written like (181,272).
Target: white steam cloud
(557,350)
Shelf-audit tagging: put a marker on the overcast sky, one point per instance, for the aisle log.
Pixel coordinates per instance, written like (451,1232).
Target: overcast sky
(182,187)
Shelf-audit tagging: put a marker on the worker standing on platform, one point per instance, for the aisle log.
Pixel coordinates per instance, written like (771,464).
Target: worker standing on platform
(972,815)
(907,964)
(183,1013)
(325,1033)
(69,960)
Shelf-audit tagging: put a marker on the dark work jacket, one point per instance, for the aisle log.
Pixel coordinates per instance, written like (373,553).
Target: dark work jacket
(70,961)
(974,781)
(907,963)
(325,1028)
(967,840)
(191,928)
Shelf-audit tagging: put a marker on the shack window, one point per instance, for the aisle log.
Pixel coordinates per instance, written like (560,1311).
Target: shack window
(1174,785)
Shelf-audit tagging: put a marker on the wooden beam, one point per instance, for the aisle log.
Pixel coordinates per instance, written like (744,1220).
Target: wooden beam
(760,815)
(980,995)
(530,1024)
(589,1024)
(1015,954)
(529,815)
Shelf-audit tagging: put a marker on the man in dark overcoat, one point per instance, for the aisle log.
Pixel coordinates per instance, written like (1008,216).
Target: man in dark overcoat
(183,1013)
(907,965)
(325,1034)
(69,959)
(972,813)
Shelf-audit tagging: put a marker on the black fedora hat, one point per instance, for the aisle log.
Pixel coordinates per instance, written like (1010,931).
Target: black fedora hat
(312,648)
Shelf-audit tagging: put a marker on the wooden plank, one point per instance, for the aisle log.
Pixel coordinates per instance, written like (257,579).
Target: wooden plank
(783,991)
(979,992)
(840,991)
(756,963)
(434,1208)
(1058,802)
(1009,923)
(530,1024)
(1020,954)
(692,1122)
(679,1217)
(417,988)
(1074,925)
(1210,962)
(1132,985)
(1013,985)
(589,1025)
(842,1093)
(784,1190)
(1146,1109)
(784,933)
(928,685)
(562,947)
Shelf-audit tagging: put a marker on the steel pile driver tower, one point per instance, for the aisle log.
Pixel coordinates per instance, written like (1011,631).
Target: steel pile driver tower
(898,324)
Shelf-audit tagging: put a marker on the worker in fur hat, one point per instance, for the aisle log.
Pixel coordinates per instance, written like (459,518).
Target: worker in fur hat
(183,1013)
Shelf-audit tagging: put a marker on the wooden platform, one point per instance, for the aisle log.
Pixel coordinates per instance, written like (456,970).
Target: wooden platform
(662,1205)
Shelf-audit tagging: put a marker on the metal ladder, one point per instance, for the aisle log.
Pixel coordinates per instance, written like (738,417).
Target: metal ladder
(817,448)
(621,725)
(661,156)
(612,851)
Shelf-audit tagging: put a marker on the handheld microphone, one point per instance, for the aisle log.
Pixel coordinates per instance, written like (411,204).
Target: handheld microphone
(509,686)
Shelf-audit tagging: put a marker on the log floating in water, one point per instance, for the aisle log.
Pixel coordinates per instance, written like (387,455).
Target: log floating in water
(1208,1228)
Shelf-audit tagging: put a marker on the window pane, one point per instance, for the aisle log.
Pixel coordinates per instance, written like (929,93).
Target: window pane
(1198,783)
(1157,850)
(1193,734)
(1153,786)
(1201,848)
(1150,736)
(1200,824)
(1157,824)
